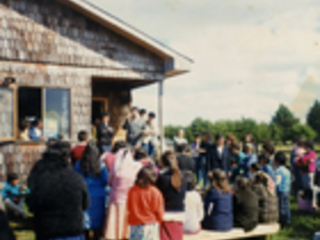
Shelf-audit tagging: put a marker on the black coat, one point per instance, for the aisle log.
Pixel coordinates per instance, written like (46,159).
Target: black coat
(58,198)
(105,134)
(186,163)
(222,162)
(5,231)
(246,209)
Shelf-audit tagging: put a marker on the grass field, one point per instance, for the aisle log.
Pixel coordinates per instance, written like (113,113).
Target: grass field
(302,227)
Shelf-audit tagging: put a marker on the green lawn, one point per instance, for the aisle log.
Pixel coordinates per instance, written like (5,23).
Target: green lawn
(302,227)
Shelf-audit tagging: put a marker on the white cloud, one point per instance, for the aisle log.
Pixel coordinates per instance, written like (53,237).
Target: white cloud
(249,56)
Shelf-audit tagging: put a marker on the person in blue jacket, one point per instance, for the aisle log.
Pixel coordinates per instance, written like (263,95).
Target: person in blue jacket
(250,158)
(95,175)
(35,132)
(218,207)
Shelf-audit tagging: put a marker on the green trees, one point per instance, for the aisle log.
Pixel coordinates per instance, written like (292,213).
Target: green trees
(284,126)
(313,117)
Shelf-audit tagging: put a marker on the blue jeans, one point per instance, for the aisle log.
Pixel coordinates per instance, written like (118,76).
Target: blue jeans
(201,170)
(150,149)
(284,209)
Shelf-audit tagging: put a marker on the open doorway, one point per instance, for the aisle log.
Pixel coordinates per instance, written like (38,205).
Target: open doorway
(99,105)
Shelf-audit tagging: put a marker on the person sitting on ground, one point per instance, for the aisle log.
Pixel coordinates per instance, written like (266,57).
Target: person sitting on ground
(6,232)
(95,174)
(35,131)
(145,206)
(58,196)
(268,201)
(14,194)
(283,183)
(246,205)
(194,206)
(172,184)
(24,131)
(250,158)
(305,202)
(185,161)
(256,171)
(218,204)
(266,167)
(77,151)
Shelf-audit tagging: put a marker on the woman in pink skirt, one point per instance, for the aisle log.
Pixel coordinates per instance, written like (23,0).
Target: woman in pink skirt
(122,177)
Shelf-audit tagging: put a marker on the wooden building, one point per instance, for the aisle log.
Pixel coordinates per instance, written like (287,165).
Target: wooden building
(64,61)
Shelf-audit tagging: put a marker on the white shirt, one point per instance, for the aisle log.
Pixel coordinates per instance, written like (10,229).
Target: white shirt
(194,212)
(220,150)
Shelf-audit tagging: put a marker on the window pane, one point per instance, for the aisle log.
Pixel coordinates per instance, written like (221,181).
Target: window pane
(57,113)
(6,113)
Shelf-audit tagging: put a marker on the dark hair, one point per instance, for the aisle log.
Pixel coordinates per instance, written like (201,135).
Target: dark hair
(197,135)
(255,166)
(268,147)
(90,162)
(23,125)
(140,153)
(152,115)
(218,136)
(243,183)
(183,148)
(235,146)
(142,111)
(146,176)
(208,134)
(280,157)
(261,178)
(134,109)
(117,146)
(57,156)
(11,177)
(82,136)
(191,184)
(220,181)
(264,158)
(308,144)
(176,176)
(105,114)
(36,122)
(250,136)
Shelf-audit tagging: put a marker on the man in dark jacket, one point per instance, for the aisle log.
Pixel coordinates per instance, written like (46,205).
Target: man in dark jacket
(185,162)
(105,133)
(220,155)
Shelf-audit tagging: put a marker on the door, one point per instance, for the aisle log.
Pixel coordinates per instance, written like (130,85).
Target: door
(98,107)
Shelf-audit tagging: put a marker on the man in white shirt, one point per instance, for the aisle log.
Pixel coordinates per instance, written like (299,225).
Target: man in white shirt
(150,139)
(179,140)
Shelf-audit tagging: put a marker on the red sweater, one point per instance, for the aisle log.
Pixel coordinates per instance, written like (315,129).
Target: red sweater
(145,206)
(77,153)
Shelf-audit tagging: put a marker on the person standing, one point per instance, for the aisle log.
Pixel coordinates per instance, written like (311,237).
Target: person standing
(145,206)
(58,196)
(95,174)
(172,184)
(250,158)
(179,140)
(220,158)
(150,140)
(195,149)
(105,133)
(77,151)
(205,155)
(185,162)
(135,127)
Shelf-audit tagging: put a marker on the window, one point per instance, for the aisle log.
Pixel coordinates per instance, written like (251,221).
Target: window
(57,113)
(6,113)
(52,106)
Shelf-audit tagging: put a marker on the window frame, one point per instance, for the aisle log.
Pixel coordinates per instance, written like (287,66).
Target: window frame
(15,111)
(15,88)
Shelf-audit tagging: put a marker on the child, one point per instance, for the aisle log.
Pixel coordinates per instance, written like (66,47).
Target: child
(266,167)
(77,151)
(218,204)
(14,194)
(194,207)
(255,170)
(172,184)
(145,206)
(283,188)
(246,206)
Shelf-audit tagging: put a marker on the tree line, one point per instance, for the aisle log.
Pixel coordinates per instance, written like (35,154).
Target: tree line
(283,127)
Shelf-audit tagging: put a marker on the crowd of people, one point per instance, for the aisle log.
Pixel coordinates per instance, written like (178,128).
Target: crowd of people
(118,190)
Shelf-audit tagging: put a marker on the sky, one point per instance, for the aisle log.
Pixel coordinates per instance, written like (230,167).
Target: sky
(249,56)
